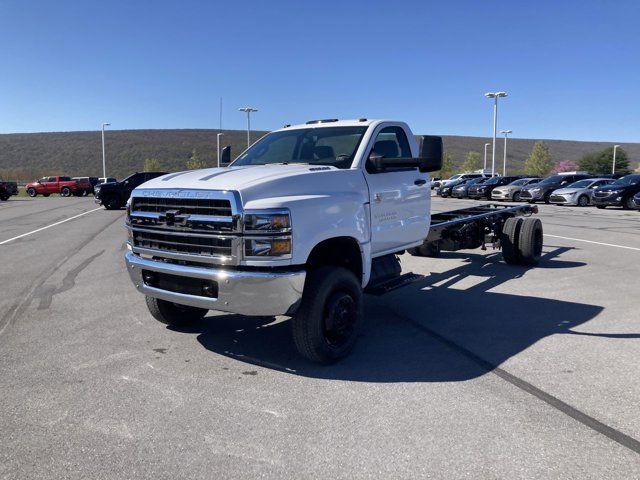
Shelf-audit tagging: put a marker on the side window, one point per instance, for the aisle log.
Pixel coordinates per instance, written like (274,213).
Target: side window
(392,143)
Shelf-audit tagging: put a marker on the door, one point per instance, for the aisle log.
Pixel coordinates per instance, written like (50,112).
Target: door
(399,198)
(50,185)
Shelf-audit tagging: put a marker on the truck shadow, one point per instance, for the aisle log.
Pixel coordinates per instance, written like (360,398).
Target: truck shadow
(434,330)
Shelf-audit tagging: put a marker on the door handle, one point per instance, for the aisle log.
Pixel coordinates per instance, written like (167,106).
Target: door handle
(420,181)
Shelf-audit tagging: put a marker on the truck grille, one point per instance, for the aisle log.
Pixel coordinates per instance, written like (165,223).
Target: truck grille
(194,206)
(197,226)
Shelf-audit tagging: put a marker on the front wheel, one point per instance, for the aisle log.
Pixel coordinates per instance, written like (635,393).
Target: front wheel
(516,197)
(583,201)
(65,192)
(628,204)
(174,314)
(32,192)
(111,202)
(326,325)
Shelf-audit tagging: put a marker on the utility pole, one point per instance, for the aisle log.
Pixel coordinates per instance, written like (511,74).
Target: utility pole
(485,158)
(504,161)
(218,136)
(104,161)
(249,111)
(495,96)
(613,169)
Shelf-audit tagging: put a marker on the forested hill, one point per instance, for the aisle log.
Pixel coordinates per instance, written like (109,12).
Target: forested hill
(26,156)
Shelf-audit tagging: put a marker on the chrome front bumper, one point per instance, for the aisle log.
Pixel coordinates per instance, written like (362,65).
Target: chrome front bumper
(248,292)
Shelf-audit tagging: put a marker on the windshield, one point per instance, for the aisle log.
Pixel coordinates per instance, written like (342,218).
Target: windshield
(492,181)
(581,184)
(476,181)
(627,180)
(335,146)
(517,183)
(455,177)
(552,179)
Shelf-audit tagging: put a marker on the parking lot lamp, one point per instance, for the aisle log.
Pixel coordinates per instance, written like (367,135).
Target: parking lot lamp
(613,169)
(249,111)
(504,161)
(495,96)
(104,162)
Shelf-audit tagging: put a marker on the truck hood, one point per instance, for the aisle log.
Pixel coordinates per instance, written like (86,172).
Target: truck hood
(264,181)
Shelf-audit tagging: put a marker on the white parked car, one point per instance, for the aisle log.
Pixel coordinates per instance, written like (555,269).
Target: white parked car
(578,193)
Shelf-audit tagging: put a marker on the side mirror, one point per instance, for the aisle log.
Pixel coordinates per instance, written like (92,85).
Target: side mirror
(430,153)
(430,159)
(225,156)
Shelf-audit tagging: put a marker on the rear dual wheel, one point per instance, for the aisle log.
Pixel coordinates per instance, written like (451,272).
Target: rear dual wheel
(522,241)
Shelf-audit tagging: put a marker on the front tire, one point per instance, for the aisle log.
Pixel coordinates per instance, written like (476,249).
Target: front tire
(516,197)
(173,314)
(111,202)
(326,325)
(583,201)
(32,192)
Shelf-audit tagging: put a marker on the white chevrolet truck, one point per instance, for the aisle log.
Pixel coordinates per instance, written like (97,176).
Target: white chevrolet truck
(303,224)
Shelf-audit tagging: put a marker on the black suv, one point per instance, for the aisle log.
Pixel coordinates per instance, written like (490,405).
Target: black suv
(114,195)
(541,191)
(484,189)
(619,193)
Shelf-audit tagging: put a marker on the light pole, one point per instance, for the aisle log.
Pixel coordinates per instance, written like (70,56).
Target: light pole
(248,110)
(485,158)
(613,169)
(218,136)
(495,96)
(104,162)
(504,161)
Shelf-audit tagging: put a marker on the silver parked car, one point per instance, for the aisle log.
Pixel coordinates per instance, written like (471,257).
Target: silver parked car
(512,191)
(578,193)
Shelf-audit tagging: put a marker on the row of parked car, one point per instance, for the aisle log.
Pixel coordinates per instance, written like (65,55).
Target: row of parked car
(570,188)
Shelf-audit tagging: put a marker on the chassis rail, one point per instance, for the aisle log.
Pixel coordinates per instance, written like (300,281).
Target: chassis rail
(472,227)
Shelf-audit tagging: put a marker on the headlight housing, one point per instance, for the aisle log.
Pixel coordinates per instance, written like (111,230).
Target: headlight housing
(267,222)
(267,234)
(267,247)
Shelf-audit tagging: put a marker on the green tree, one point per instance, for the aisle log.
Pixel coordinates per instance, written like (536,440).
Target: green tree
(447,166)
(600,163)
(152,165)
(195,162)
(471,162)
(539,162)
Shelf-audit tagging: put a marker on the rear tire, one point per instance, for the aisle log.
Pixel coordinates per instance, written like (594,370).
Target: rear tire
(32,192)
(509,240)
(65,192)
(173,314)
(583,201)
(4,198)
(530,241)
(431,249)
(326,325)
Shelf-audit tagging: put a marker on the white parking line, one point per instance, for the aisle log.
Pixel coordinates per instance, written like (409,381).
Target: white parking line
(591,241)
(49,226)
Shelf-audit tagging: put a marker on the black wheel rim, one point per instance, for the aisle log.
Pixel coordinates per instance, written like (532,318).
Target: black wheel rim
(339,319)
(583,201)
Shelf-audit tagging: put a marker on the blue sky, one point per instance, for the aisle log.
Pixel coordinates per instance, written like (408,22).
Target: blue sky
(571,68)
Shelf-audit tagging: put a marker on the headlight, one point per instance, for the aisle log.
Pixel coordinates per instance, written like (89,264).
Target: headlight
(268,222)
(267,247)
(534,190)
(614,192)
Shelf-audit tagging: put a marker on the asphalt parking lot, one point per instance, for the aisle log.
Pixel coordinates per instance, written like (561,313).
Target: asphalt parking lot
(479,370)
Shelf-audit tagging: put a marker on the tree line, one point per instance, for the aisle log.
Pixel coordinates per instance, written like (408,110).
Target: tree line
(540,163)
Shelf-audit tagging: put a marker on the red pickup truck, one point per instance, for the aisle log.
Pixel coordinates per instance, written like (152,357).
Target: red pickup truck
(65,186)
